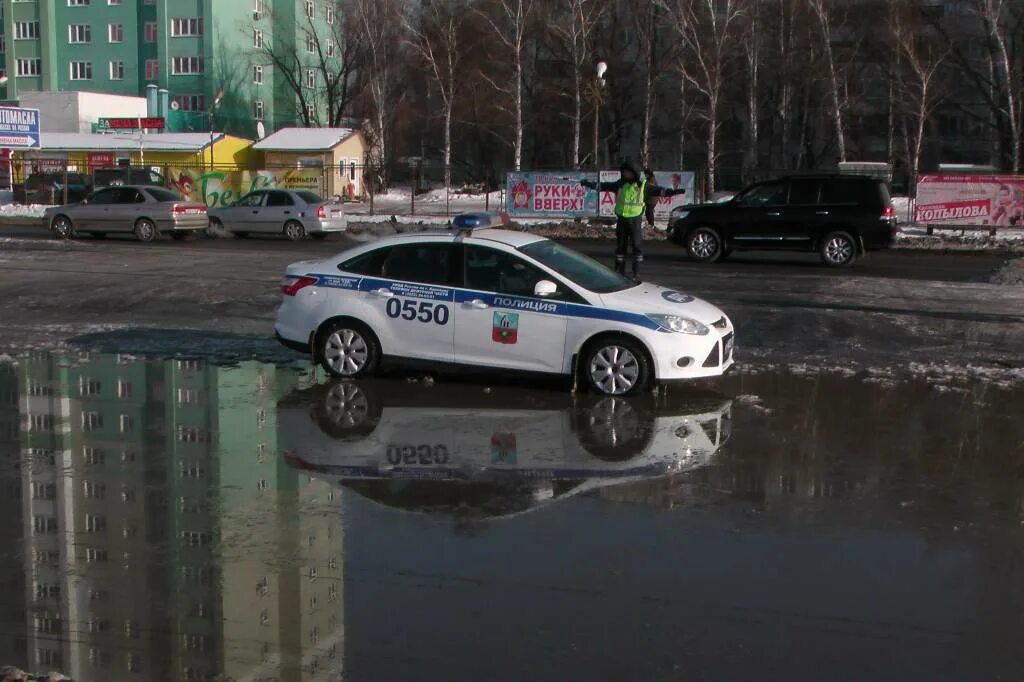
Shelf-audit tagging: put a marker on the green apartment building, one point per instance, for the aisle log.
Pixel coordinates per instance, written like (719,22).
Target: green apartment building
(192,48)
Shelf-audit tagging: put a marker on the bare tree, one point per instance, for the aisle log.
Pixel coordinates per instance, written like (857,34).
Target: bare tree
(823,13)
(645,19)
(574,38)
(707,29)
(378,21)
(752,38)
(434,37)
(320,68)
(919,55)
(509,23)
(1003,21)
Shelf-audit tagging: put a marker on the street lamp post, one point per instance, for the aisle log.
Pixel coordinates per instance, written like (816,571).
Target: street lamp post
(213,108)
(598,91)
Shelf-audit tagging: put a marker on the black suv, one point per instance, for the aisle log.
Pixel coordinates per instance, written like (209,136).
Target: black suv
(839,216)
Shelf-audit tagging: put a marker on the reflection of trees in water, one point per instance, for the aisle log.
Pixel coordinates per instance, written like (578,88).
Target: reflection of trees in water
(939,454)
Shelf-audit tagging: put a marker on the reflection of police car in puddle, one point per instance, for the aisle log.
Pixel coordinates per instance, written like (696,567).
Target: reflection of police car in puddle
(437,448)
(486,298)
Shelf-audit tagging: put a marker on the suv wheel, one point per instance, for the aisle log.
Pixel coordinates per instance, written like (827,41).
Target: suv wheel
(704,245)
(838,249)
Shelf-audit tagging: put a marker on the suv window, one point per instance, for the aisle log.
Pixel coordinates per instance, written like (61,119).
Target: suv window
(500,272)
(803,192)
(279,199)
(767,194)
(427,263)
(839,191)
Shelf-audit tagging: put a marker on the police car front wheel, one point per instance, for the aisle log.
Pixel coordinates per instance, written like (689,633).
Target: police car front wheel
(348,350)
(616,366)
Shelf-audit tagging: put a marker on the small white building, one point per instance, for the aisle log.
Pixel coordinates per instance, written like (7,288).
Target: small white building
(77,112)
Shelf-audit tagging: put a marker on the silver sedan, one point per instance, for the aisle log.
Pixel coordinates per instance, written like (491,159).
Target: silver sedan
(294,213)
(138,209)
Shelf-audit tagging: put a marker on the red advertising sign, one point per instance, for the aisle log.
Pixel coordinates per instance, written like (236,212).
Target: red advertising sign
(132,123)
(970,200)
(101,160)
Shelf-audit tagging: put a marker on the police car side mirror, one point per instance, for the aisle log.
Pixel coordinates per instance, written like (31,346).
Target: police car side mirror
(545,289)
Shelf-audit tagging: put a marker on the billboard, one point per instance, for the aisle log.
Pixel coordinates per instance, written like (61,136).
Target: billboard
(19,127)
(550,195)
(217,188)
(970,200)
(668,179)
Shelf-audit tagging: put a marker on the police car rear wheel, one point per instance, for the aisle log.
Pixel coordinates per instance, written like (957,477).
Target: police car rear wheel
(617,367)
(348,350)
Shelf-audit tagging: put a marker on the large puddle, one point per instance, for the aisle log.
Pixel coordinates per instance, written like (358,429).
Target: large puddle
(169,519)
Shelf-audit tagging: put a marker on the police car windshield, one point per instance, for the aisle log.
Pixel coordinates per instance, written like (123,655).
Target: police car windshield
(574,266)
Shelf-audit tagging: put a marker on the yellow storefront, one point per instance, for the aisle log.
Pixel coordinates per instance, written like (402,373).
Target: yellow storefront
(340,152)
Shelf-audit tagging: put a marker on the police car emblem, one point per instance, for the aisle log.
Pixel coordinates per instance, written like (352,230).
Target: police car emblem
(676,297)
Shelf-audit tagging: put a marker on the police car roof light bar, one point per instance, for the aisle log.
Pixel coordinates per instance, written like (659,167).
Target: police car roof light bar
(467,223)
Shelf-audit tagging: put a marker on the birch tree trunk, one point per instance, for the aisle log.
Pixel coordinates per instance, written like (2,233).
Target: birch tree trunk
(822,12)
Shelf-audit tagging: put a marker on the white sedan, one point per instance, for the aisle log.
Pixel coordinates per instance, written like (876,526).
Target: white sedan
(479,297)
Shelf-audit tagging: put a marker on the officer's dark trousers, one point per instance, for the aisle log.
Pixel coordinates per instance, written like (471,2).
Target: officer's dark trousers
(629,236)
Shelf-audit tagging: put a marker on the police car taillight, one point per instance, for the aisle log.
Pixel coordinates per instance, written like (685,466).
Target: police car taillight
(292,285)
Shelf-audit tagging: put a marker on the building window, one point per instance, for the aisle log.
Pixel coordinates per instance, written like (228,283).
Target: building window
(310,78)
(186,66)
(262,484)
(257,38)
(78,3)
(257,74)
(311,113)
(44,524)
(79,33)
(151,32)
(95,556)
(310,42)
(134,661)
(94,491)
(258,110)
(115,33)
(113,2)
(310,9)
(329,14)
(93,456)
(330,47)
(257,10)
(91,421)
(44,491)
(127,423)
(189,26)
(95,524)
(88,386)
(124,388)
(3,44)
(26,30)
(191,102)
(152,69)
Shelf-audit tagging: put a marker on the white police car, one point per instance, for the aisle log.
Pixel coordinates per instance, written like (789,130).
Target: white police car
(488,298)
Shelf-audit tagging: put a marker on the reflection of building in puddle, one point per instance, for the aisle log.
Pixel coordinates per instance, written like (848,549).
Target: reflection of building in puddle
(163,537)
(12,583)
(475,455)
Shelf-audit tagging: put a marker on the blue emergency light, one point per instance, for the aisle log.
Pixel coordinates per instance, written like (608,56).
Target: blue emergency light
(478,221)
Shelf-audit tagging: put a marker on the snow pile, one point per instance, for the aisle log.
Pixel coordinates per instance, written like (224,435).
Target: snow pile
(902,206)
(439,196)
(1011,273)
(22,211)
(913,237)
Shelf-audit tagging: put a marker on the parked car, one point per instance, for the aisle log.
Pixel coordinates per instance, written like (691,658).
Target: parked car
(841,217)
(521,304)
(49,188)
(127,175)
(294,213)
(139,209)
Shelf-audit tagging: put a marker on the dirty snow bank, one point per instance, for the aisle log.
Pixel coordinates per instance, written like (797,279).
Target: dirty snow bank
(1011,273)
(910,237)
(22,211)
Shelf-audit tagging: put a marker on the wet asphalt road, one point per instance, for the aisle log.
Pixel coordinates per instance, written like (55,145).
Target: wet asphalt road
(169,519)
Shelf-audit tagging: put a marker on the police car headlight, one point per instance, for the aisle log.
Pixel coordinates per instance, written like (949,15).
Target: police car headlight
(682,325)
(679,213)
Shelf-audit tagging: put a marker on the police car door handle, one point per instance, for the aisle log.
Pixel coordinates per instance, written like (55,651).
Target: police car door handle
(478,304)
(383,293)
(821,213)
(775,214)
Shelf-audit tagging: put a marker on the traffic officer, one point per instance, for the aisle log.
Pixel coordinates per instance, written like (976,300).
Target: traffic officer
(630,192)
